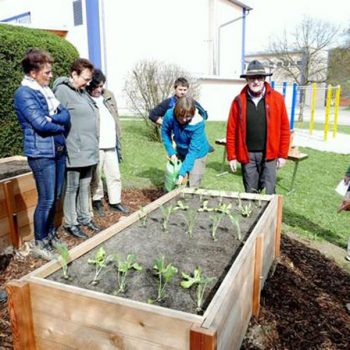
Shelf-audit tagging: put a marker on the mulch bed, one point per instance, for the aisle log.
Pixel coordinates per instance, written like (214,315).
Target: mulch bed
(302,304)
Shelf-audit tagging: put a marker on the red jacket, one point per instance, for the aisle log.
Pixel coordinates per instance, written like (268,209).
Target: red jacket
(278,133)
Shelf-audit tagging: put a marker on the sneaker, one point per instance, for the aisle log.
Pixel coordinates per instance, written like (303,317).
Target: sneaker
(118,207)
(53,238)
(42,250)
(98,208)
(347,258)
(92,227)
(76,231)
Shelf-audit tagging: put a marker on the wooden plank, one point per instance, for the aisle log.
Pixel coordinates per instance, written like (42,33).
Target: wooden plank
(202,339)
(10,159)
(257,275)
(11,214)
(26,200)
(19,306)
(85,311)
(278,227)
(23,183)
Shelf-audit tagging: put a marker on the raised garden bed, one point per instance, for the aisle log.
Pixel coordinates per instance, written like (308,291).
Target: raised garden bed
(18,199)
(48,312)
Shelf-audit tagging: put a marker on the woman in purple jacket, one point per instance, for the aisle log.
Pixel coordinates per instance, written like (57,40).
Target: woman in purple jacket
(44,122)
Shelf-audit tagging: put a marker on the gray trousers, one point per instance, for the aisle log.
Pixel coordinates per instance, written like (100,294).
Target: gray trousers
(76,203)
(259,174)
(197,172)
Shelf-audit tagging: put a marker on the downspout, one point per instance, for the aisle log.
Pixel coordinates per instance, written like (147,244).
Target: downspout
(245,13)
(243,39)
(93,31)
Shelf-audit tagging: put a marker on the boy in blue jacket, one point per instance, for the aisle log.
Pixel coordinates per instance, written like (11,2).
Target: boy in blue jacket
(187,128)
(181,87)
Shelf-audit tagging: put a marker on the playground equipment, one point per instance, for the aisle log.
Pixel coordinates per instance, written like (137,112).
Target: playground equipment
(312,100)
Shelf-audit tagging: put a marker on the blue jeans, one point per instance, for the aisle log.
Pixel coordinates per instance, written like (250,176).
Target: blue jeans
(49,178)
(76,203)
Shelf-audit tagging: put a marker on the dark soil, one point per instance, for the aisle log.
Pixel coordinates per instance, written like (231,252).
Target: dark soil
(13,168)
(151,241)
(302,304)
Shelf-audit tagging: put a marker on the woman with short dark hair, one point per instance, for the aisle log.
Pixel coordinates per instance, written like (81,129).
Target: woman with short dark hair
(45,123)
(186,127)
(82,146)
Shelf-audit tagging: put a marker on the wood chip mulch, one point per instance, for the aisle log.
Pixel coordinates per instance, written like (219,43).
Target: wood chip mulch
(302,303)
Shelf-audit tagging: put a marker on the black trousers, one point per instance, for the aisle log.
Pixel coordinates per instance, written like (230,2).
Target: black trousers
(259,174)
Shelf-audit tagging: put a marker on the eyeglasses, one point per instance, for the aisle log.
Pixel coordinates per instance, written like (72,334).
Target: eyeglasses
(256,77)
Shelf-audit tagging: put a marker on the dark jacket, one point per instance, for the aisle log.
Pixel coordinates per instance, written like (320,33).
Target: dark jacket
(32,109)
(160,110)
(278,133)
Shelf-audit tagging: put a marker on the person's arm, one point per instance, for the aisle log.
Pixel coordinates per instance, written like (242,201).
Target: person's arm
(284,133)
(201,110)
(33,113)
(231,132)
(347,176)
(158,112)
(62,116)
(167,128)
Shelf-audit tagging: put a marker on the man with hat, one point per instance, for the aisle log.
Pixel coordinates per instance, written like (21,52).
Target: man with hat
(257,134)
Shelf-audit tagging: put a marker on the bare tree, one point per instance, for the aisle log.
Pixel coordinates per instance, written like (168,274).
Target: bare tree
(309,41)
(150,82)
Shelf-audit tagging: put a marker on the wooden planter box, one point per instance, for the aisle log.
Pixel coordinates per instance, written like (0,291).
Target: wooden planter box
(52,315)
(18,199)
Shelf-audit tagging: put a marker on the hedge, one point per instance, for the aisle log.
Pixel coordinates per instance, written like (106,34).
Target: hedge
(14,42)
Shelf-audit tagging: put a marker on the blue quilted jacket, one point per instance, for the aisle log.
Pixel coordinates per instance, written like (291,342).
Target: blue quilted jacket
(32,109)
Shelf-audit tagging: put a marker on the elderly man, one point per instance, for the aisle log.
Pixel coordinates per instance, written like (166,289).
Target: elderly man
(257,134)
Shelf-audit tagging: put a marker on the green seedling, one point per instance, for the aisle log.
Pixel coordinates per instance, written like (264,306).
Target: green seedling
(201,281)
(63,259)
(143,216)
(224,208)
(245,209)
(166,211)
(165,275)
(181,206)
(204,207)
(123,267)
(216,219)
(190,218)
(235,222)
(101,261)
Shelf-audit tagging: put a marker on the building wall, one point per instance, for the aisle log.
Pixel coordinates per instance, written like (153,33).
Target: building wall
(184,33)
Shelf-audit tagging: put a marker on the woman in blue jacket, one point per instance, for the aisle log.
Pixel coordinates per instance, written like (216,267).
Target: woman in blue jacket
(187,128)
(44,122)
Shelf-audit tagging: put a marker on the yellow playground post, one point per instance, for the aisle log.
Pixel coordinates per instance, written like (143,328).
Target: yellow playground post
(336,108)
(328,108)
(313,105)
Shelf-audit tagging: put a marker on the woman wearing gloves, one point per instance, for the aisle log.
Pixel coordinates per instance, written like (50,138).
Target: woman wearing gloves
(187,128)
(45,123)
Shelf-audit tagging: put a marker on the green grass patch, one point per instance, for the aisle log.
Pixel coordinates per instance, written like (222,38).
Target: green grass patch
(309,211)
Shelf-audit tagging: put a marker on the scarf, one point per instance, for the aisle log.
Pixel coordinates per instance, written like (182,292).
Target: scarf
(50,98)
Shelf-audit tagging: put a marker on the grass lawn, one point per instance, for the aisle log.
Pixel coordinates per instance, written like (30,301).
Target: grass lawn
(309,211)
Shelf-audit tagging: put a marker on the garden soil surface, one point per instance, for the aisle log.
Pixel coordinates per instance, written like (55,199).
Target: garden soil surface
(302,303)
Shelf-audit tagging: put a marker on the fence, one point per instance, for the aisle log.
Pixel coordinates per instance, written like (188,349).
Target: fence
(315,102)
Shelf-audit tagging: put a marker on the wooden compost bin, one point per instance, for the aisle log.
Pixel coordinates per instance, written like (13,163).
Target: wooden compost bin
(18,199)
(50,315)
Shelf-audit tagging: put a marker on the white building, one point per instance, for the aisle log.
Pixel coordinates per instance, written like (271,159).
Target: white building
(204,37)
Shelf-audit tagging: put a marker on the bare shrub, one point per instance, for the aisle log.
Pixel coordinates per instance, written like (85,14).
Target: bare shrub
(148,83)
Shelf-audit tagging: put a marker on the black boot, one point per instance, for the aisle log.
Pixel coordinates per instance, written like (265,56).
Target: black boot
(98,208)
(118,207)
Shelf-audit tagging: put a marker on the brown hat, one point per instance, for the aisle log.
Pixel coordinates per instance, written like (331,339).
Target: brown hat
(255,68)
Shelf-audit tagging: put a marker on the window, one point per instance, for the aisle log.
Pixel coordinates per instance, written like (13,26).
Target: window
(77,12)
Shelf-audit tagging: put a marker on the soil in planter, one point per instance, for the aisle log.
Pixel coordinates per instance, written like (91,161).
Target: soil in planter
(13,168)
(151,241)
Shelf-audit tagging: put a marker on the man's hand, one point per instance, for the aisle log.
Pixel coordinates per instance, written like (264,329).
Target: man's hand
(179,180)
(281,162)
(345,205)
(233,165)
(346,180)
(159,121)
